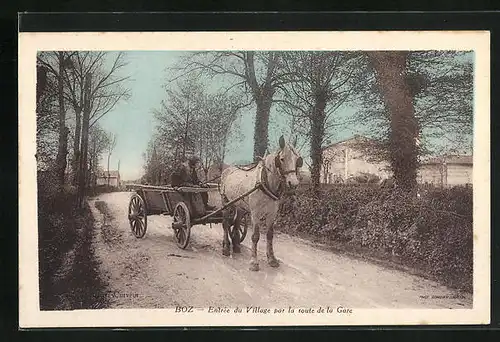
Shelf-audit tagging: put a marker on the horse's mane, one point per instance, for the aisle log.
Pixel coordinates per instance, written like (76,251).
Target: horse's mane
(247,167)
(253,165)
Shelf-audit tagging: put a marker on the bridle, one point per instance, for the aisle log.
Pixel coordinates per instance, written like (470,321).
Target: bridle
(282,176)
(277,162)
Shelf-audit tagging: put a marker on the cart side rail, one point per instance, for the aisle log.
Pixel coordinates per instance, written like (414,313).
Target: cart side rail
(167,188)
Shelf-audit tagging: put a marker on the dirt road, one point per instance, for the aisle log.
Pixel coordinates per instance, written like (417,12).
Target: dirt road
(154,273)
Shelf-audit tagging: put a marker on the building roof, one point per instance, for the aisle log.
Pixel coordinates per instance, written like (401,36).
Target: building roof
(112,174)
(464,159)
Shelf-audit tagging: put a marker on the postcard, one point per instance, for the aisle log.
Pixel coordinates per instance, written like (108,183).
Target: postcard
(254,178)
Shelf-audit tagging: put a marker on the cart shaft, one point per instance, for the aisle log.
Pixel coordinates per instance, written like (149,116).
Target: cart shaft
(229,203)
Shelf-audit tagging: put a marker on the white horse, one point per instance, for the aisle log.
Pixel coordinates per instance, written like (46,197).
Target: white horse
(274,175)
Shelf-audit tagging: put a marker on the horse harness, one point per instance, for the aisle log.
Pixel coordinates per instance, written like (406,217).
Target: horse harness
(264,182)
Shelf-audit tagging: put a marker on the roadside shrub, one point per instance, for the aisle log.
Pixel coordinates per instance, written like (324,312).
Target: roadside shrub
(61,229)
(56,231)
(102,189)
(432,233)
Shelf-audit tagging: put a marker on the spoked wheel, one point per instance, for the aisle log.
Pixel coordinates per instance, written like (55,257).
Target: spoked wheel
(137,216)
(181,225)
(243,228)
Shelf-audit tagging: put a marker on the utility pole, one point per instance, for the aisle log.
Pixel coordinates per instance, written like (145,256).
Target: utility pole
(118,176)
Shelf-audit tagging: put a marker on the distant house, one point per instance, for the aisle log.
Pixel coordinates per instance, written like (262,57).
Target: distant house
(350,158)
(113,176)
(446,171)
(357,156)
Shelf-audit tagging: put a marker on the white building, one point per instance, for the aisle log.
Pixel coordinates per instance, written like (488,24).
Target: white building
(353,157)
(350,158)
(113,176)
(446,171)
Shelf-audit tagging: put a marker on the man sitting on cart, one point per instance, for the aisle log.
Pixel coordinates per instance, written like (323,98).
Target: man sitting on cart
(185,175)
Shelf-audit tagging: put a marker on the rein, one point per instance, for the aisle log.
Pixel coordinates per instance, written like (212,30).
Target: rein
(264,184)
(263,181)
(282,176)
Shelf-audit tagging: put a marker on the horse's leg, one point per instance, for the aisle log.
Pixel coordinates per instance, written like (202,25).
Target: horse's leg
(271,259)
(254,263)
(236,233)
(225,240)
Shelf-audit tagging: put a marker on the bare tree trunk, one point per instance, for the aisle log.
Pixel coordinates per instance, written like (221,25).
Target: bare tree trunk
(390,67)
(317,133)
(85,141)
(111,148)
(89,178)
(109,156)
(93,165)
(263,96)
(41,81)
(62,150)
(76,145)
(261,125)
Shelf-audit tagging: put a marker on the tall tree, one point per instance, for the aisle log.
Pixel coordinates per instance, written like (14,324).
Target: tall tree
(47,120)
(107,90)
(257,73)
(319,84)
(179,114)
(160,158)
(56,63)
(390,70)
(443,98)
(441,83)
(192,119)
(41,80)
(99,141)
(100,76)
(83,167)
(215,125)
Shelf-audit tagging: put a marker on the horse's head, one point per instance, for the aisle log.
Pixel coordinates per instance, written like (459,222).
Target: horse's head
(288,162)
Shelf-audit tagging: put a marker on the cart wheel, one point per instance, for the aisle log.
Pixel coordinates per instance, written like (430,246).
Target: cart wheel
(181,225)
(137,216)
(243,226)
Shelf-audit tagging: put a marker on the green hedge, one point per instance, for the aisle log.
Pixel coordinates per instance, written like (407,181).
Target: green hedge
(61,229)
(432,233)
(57,232)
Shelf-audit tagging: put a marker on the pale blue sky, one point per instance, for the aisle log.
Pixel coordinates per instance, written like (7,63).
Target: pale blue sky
(133,121)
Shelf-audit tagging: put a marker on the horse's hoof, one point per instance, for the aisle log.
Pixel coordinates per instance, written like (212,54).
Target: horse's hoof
(273,263)
(254,266)
(236,249)
(226,252)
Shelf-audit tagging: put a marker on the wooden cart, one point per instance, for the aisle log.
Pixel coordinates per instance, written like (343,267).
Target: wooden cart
(183,204)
